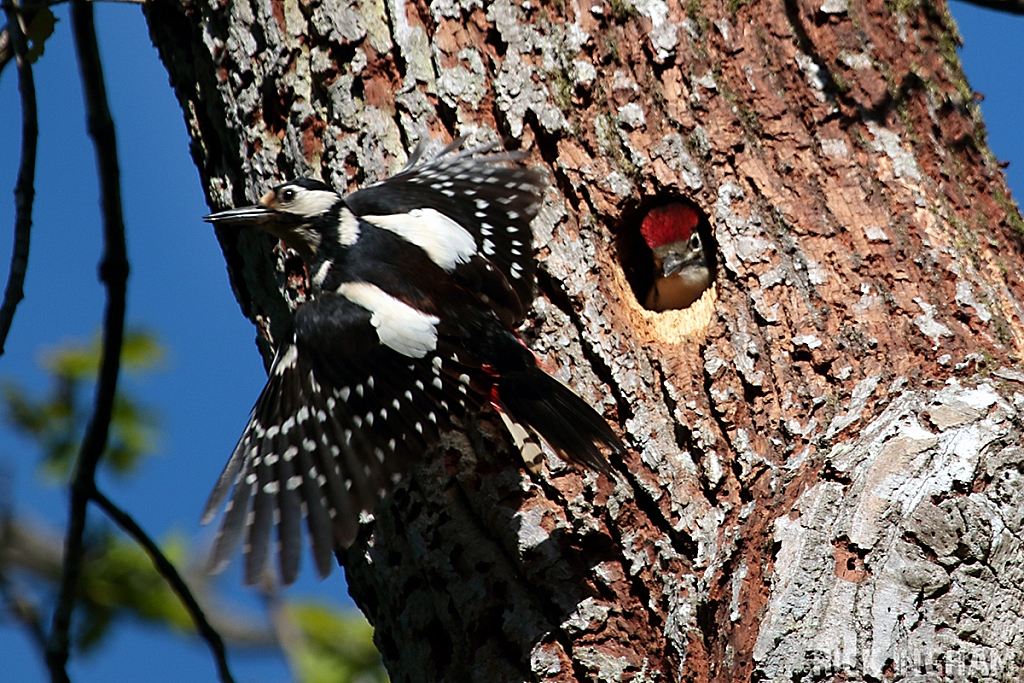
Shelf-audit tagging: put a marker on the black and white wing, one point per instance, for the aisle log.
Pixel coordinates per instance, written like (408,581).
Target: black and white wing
(358,394)
(487,195)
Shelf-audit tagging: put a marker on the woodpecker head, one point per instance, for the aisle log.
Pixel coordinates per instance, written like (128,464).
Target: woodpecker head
(301,212)
(682,272)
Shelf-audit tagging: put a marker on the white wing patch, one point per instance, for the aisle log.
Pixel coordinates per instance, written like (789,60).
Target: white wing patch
(446,242)
(399,326)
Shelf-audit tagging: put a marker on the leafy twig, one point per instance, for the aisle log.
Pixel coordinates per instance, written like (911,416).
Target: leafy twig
(24,189)
(170,574)
(38,551)
(113,272)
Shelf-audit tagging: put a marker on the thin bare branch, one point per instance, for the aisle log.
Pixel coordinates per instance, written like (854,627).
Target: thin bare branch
(170,574)
(27,11)
(24,188)
(113,272)
(6,48)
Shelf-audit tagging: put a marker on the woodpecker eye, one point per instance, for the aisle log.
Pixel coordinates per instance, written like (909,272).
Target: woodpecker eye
(288,195)
(695,241)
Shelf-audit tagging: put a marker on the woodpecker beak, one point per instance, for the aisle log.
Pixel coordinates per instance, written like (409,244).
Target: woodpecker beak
(258,215)
(673,262)
(291,228)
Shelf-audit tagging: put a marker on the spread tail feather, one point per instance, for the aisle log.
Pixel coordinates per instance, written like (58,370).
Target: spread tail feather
(572,429)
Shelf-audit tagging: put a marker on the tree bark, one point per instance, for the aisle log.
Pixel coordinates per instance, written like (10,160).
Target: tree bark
(823,477)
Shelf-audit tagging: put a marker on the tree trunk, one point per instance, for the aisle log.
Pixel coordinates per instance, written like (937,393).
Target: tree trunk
(823,476)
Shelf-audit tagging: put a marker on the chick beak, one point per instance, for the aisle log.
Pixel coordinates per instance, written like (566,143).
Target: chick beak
(672,261)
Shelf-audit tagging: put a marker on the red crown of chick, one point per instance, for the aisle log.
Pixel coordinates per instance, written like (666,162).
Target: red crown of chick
(669,223)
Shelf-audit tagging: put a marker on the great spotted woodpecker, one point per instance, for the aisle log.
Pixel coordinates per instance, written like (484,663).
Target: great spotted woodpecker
(416,282)
(681,266)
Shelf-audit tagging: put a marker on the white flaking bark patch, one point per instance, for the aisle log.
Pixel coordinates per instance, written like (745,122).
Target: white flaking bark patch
(875,233)
(965,297)
(589,615)
(737,585)
(808,340)
(858,399)
(632,116)
(531,533)
(835,6)
(1009,374)
(934,550)
(813,73)
(414,45)
(544,659)
(663,33)
(903,163)
(608,668)
(834,148)
(672,150)
(855,60)
(457,83)
(928,325)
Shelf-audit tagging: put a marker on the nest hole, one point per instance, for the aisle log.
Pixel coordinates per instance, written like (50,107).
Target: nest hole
(636,256)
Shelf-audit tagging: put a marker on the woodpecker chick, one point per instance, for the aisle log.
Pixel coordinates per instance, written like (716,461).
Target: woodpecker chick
(415,285)
(681,269)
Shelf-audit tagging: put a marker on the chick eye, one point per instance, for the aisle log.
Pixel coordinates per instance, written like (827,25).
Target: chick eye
(695,241)
(288,194)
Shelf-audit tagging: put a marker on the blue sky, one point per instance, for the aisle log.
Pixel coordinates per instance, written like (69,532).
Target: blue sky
(179,289)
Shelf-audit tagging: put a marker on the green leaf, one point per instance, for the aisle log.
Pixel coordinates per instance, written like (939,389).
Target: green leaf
(338,646)
(119,580)
(56,422)
(140,352)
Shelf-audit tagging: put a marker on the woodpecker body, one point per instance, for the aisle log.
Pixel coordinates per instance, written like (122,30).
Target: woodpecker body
(415,284)
(681,268)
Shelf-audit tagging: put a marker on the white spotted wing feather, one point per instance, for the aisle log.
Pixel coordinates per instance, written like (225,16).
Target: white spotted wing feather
(458,195)
(347,408)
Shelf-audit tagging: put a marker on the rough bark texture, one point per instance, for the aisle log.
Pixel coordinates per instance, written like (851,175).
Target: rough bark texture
(823,480)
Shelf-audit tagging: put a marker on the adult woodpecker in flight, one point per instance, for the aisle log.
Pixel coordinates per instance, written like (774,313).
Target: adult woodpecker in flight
(415,285)
(681,268)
